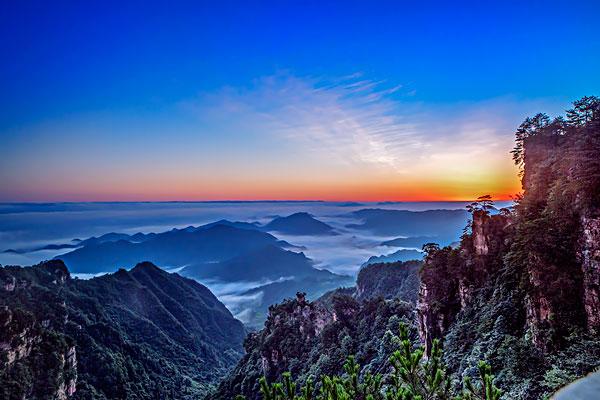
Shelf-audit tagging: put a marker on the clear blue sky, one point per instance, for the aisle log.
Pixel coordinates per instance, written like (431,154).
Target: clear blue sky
(105,70)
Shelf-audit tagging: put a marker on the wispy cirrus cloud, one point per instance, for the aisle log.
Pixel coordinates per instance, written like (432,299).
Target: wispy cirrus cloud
(350,118)
(378,126)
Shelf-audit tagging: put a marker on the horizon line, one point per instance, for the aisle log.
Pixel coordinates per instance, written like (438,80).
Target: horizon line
(239,201)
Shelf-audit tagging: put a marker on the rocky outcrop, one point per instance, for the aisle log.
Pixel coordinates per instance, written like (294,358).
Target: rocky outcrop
(9,283)
(487,234)
(451,277)
(433,317)
(522,290)
(305,318)
(68,385)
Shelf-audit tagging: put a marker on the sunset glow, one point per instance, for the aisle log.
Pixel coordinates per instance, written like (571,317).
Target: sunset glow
(215,110)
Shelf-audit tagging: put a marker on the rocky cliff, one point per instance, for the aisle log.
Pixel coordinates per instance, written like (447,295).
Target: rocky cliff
(522,289)
(136,334)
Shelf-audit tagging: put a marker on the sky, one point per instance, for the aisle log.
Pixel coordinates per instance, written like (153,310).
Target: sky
(365,101)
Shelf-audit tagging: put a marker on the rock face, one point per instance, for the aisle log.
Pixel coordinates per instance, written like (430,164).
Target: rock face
(137,334)
(589,254)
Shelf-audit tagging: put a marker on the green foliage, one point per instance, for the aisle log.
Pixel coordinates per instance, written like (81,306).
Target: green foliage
(530,127)
(522,302)
(304,338)
(116,335)
(486,390)
(483,204)
(413,378)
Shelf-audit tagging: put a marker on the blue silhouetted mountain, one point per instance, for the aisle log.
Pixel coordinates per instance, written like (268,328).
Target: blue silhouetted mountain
(59,246)
(300,223)
(236,224)
(12,251)
(46,247)
(350,204)
(445,225)
(111,237)
(269,262)
(400,255)
(174,248)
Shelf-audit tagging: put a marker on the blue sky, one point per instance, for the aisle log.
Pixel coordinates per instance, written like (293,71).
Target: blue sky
(100,100)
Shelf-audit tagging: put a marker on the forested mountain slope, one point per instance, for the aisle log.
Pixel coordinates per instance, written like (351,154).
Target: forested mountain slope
(139,334)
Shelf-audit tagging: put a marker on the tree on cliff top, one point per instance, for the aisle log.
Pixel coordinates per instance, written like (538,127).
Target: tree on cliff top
(483,203)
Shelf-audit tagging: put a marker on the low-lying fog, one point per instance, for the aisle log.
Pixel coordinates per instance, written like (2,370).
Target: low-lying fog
(33,225)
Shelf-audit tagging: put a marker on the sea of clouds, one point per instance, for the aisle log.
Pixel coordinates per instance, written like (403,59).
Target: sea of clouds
(27,226)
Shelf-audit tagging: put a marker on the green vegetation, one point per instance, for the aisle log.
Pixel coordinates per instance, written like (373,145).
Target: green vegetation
(138,334)
(412,378)
(312,339)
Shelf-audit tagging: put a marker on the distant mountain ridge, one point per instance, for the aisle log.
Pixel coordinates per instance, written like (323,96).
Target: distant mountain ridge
(399,255)
(217,242)
(300,223)
(416,242)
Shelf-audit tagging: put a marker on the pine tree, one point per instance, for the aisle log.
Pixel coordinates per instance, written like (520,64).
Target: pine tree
(413,378)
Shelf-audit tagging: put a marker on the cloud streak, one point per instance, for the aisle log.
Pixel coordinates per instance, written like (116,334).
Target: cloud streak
(376,128)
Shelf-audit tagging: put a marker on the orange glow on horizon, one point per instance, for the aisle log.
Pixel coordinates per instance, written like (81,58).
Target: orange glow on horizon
(410,190)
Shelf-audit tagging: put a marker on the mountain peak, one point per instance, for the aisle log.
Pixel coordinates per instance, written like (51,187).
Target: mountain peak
(146,266)
(56,268)
(300,223)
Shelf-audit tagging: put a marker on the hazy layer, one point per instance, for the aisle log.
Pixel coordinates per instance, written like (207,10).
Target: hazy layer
(36,225)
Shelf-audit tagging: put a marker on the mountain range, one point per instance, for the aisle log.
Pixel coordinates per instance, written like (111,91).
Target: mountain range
(173,248)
